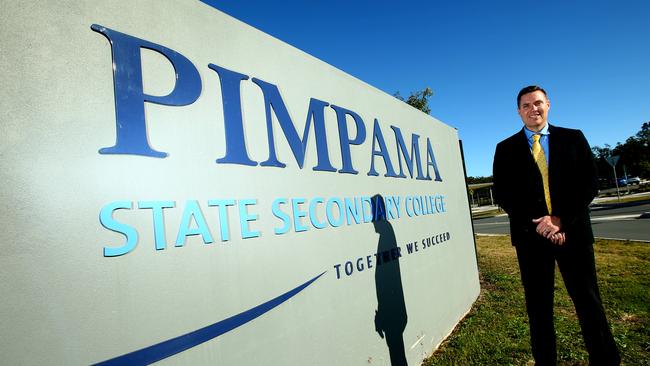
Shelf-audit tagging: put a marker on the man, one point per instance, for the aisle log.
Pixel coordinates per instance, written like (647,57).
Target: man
(545,179)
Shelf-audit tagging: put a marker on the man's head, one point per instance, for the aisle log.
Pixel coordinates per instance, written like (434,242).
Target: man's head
(533,106)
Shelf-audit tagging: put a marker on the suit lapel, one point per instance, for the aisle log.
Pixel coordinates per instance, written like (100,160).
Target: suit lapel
(522,145)
(529,164)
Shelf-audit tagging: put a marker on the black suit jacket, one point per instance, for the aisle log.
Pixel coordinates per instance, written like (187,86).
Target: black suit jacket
(519,191)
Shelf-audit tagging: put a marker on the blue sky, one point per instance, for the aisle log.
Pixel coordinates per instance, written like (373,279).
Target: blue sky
(592,57)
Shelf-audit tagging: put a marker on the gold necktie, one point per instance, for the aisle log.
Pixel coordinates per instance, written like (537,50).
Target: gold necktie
(540,159)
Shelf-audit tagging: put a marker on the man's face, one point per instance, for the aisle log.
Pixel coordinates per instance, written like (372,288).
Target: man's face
(533,110)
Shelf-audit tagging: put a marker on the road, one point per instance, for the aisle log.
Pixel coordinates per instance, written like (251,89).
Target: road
(608,221)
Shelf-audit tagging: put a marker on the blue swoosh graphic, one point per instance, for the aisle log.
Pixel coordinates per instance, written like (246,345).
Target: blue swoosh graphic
(179,344)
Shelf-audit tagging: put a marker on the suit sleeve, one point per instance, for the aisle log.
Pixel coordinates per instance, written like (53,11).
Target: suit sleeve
(589,172)
(586,188)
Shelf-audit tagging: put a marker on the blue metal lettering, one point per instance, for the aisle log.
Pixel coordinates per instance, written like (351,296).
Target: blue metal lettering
(383,152)
(431,161)
(312,212)
(403,152)
(298,213)
(245,218)
(366,200)
(158,219)
(273,102)
(234,128)
(352,209)
(277,212)
(334,222)
(344,138)
(131,127)
(106,218)
(191,213)
(223,216)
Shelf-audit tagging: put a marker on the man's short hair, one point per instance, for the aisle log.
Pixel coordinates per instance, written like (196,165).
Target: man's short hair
(529,89)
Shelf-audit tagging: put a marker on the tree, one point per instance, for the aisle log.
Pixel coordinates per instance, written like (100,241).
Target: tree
(476,180)
(635,152)
(600,156)
(634,155)
(418,100)
(644,134)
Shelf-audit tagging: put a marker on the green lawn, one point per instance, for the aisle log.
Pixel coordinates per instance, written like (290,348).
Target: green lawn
(495,332)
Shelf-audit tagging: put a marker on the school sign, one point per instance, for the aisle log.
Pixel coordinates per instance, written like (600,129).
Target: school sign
(181,188)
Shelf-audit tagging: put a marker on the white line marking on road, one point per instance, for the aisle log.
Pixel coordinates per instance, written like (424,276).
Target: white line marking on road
(416,342)
(616,218)
(628,217)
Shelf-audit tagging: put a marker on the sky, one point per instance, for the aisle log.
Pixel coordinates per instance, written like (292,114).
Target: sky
(592,57)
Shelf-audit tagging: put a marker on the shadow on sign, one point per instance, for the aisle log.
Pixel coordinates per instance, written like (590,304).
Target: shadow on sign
(390,316)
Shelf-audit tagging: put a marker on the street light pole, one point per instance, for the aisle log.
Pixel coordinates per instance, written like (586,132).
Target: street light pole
(618,195)
(612,160)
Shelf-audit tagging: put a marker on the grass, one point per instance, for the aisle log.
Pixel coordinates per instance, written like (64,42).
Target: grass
(495,332)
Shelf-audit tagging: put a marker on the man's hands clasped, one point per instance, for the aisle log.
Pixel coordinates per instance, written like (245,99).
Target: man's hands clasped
(550,227)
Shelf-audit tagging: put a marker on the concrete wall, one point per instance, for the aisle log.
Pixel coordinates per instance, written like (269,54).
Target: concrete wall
(65,301)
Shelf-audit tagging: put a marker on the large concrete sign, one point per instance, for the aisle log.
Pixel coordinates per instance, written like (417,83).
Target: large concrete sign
(181,188)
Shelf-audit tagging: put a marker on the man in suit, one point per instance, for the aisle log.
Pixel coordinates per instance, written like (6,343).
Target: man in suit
(545,179)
